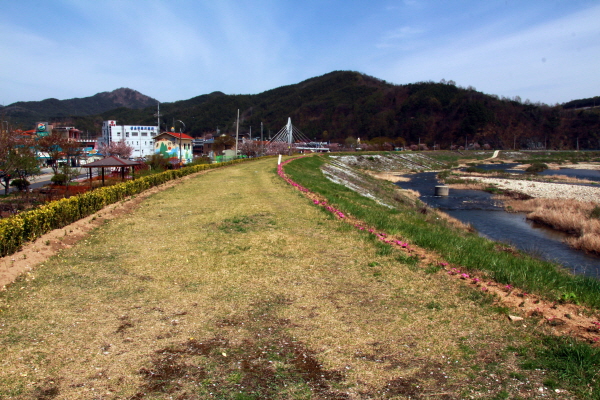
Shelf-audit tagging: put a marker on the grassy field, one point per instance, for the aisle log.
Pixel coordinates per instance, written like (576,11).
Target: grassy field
(233,285)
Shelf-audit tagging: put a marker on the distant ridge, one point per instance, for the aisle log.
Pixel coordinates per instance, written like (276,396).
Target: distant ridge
(343,106)
(28,112)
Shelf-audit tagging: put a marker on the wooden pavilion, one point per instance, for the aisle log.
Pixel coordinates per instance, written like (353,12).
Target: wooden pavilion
(111,162)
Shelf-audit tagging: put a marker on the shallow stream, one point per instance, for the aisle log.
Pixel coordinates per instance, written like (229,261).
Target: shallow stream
(588,174)
(490,220)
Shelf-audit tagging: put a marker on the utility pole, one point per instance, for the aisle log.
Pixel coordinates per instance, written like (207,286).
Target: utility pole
(180,137)
(262,145)
(158,118)
(237,129)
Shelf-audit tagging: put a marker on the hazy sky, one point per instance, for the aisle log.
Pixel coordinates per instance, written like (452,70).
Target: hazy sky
(542,50)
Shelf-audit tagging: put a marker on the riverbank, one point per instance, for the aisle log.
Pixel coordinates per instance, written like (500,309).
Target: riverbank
(348,176)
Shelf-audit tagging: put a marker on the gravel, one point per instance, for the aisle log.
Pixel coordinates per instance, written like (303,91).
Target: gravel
(544,189)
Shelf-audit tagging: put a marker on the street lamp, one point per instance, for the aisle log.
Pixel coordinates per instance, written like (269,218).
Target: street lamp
(180,148)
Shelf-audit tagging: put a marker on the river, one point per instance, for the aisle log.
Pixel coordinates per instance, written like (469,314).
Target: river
(488,217)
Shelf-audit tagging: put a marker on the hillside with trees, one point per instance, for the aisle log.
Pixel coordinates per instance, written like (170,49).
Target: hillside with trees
(29,112)
(343,106)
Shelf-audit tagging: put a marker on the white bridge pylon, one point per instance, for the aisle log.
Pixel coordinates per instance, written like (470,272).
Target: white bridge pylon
(290,134)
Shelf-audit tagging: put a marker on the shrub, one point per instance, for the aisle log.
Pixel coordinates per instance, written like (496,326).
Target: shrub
(201,160)
(20,184)
(59,179)
(157,162)
(536,167)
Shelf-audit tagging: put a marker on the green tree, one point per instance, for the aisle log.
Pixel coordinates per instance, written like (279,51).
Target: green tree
(350,142)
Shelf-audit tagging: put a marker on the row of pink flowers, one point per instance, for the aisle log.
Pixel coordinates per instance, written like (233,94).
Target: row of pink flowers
(288,180)
(464,276)
(282,174)
(380,235)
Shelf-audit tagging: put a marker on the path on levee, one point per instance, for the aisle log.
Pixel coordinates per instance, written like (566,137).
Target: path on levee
(233,281)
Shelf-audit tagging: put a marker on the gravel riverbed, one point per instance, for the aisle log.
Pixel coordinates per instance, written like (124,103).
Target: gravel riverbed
(545,189)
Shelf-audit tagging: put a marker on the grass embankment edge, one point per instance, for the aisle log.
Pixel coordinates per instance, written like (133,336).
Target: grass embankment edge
(570,362)
(467,250)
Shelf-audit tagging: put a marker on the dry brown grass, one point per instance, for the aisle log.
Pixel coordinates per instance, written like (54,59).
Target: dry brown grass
(455,222)
(414,194)
(589,242)
(468,186)
(233,282)
(388,176)
(569,216)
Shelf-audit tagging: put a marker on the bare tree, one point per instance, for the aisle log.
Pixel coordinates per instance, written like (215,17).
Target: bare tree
(53,145)
(223,142)
(17,158)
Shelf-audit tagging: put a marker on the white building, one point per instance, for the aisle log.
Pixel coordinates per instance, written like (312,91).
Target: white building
(141,138)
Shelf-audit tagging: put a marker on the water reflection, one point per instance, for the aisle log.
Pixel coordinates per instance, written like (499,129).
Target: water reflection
(487,216)
(588,174)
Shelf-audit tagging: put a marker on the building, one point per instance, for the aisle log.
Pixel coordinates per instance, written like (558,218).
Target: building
(140,138)
(174,145)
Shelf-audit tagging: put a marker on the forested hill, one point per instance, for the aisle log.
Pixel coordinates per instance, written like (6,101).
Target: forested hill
(344,104)
(29,112)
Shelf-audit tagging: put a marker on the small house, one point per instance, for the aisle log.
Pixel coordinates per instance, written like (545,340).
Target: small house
(174,145)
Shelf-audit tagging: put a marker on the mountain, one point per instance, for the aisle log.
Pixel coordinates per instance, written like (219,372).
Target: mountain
(347,105)
(29,112)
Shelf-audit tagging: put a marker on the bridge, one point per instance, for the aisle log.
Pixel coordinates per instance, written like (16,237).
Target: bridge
(293,137)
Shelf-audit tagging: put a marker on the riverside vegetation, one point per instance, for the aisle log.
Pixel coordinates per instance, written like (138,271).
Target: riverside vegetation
(233,285)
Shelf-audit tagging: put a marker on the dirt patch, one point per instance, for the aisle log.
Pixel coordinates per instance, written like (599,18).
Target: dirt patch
(36,252)
(263,363)
(525,308)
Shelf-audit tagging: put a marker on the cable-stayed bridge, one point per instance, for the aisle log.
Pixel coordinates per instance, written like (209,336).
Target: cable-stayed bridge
(297,140)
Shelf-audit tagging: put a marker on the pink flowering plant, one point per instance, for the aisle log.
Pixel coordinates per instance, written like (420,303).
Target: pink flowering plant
(338,213)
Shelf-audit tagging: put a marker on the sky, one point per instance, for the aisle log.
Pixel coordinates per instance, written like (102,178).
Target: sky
(544,51)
